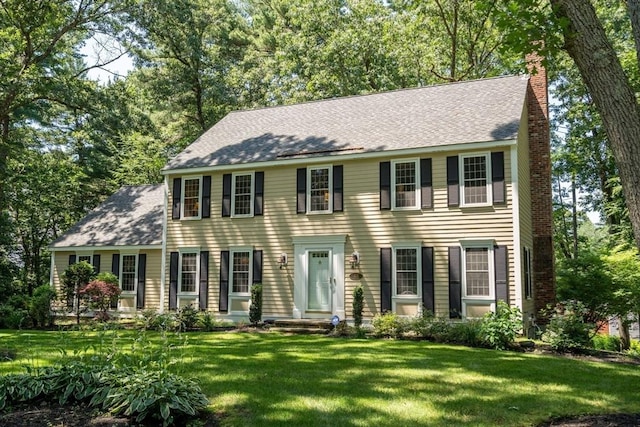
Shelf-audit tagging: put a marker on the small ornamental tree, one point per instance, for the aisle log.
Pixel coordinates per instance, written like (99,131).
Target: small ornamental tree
(100,293)
(255,309)
(74,278)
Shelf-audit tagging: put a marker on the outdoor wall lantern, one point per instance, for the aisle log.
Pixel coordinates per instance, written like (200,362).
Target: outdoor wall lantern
(283,260)
(355,259)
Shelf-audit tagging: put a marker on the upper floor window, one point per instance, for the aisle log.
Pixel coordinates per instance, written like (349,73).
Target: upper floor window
(191,192)
(475,180)
(188,272)
(242,194)
(319,189)
(405,185)
(128,274)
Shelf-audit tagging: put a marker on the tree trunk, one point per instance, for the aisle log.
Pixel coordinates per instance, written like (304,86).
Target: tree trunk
(587,43)
(625,339)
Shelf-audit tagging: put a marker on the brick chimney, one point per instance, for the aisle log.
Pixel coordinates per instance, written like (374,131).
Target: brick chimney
(544,291)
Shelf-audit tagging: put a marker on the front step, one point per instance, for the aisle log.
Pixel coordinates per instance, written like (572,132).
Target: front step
(302,326)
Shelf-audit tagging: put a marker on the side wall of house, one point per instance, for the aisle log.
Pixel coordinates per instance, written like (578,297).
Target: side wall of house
(367,229)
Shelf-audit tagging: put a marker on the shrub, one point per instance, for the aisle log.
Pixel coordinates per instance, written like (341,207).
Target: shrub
(466,332)
(567,329)
(358,306)
(634,349)
(186,318)
(255,309)
(40,305)
(606,342)
(499,329)
(389,325)
(99,295)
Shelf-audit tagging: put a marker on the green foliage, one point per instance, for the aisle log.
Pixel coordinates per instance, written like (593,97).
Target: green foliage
(74,278)
(99,295)
(13,317)
(358,306)
(389,325)
(568,329)
(500,328)
(152,320)
(634,349)
(585,279)
(255,309)
(606,342)
(40,306)
(187,317)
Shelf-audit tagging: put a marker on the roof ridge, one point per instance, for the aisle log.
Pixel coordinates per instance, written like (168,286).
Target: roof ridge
(382,92)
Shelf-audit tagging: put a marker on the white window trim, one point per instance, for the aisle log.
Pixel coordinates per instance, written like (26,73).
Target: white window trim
(85,254)
(394,284)
(197,288)
(135,277)
(489,186)
(182,195)
(527,272)
(417,184)
(233,194)
(237,249)
(330,184)
(490,299)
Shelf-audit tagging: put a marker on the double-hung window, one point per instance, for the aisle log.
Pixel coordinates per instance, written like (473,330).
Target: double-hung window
(407,270)
(242,198)
(240,271)
(85,258)
(319,190)
(191,197)
(478,278)
(405,184)
(128,274)
(188,273)
(475,179)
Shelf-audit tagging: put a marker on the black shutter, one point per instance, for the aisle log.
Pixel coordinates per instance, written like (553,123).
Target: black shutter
(426,184)
(115,269)
(453,181)
(72,259)
(115,265)
(301,191)
(203,293)
(226,194)
(258,201)
(500,263)
(206,197)
(385,279)
(223,304)
(385,185)
(497,177)
(142,277)
(96,264)
(455,282)
(337,188)
(177,194)
(428,292)
(257,266)
(173,280)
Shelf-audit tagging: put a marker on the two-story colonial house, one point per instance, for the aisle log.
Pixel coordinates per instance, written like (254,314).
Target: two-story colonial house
(434,198)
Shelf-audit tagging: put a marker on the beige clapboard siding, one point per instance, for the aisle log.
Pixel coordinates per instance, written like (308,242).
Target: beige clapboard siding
(152,278)
(366,227)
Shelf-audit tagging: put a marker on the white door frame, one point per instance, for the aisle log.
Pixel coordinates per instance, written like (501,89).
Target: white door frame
(302,245)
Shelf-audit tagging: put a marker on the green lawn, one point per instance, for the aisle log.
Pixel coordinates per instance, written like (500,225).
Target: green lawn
(271,379)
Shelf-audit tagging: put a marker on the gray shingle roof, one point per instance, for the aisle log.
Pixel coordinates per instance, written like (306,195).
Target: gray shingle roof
(455,113)
(132,216)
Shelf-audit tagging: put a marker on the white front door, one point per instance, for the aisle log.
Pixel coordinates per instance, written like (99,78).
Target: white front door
(319,281)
